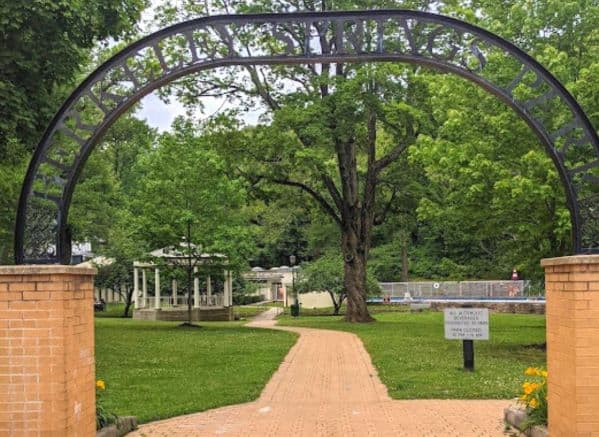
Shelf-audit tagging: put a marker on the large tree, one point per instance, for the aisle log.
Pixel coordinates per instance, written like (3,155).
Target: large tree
(334,131)
(324,138)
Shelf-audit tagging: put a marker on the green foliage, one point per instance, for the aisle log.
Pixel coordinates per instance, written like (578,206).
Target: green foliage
(103,416)
(473,197)
(326,274)
(476,196)
(184,183)
(43,46)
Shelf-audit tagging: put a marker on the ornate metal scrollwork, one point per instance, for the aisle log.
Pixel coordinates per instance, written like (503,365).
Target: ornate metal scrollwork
(435,41)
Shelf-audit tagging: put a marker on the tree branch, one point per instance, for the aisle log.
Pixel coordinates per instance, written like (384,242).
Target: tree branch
(380,219)
(261,89)
(321,200)
(332,188)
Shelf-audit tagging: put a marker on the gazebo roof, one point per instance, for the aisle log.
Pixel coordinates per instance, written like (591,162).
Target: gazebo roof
(178,254)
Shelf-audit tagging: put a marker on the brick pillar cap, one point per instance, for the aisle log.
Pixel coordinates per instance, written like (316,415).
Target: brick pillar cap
(46,269)
(570,260)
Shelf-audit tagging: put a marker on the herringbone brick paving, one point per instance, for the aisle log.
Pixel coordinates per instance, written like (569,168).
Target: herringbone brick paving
(327,386)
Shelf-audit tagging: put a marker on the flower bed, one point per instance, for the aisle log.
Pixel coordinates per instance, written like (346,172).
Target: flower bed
(530,415)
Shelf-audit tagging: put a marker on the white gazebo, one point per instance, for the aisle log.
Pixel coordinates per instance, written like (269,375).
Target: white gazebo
(212,305)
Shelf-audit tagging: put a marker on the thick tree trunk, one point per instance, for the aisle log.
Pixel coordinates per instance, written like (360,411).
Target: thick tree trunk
(357,218)
(354,279)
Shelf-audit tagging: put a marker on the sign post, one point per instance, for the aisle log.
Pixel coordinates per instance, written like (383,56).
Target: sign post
(468,347)
(467,324)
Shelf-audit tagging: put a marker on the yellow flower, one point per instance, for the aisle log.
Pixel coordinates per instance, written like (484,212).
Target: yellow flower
(533,403)
(531,371)
(529,387)
(544,373)
(100,384)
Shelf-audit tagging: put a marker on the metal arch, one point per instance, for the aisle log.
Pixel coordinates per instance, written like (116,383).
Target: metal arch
(443,43)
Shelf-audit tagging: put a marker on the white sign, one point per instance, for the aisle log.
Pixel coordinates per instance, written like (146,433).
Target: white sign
(466,323)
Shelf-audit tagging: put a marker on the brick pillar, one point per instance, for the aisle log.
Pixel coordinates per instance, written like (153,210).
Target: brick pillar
(572,288)
(47,374)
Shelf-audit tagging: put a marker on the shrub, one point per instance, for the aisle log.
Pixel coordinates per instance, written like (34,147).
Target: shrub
(246,299)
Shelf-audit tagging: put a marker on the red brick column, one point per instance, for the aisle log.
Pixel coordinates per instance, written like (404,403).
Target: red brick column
(47,374)
(572,288)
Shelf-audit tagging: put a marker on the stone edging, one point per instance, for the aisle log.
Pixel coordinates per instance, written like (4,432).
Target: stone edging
(515,417)
(123,426)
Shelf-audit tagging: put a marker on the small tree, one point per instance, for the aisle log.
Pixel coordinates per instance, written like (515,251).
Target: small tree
(186,195)
(117,276)
(326,274)
(122,248)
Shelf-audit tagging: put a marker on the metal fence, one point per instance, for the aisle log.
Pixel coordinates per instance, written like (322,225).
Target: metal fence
(454,289)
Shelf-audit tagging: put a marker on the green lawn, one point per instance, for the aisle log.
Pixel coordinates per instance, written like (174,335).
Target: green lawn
(113,310)
(327,311)
(155,370)
(247,311)
(415,361)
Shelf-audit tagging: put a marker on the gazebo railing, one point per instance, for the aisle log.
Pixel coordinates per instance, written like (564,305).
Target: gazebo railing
(215,300)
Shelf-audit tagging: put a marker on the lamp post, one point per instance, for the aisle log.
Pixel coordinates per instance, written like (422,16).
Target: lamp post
(292,261)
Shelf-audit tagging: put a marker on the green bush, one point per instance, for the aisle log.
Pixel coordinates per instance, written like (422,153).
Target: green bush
(244,299)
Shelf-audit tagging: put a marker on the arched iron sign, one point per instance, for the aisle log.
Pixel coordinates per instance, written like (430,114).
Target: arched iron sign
(431,40)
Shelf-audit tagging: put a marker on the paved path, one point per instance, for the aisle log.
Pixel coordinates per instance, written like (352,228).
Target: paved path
(327,386)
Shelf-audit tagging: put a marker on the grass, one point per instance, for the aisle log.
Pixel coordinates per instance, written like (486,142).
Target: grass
(414,360)
(327,311)
(154,370)
(247,311)
(113,310)
(243,311)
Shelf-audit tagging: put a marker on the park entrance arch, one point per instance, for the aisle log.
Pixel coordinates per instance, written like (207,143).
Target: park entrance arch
(446,44)
(60,296)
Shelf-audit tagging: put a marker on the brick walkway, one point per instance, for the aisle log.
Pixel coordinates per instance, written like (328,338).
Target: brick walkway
(327,386)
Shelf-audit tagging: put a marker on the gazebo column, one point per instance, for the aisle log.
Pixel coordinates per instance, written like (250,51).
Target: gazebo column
(209,289)
(228,292)
(135,288)
(174,290)
(230,288)
(196,288)
(226,288)
(144,288)
(157,288)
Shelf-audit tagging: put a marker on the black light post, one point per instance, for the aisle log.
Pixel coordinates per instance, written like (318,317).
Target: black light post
(295,305)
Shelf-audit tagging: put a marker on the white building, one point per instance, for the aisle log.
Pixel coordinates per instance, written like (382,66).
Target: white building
(276,284)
